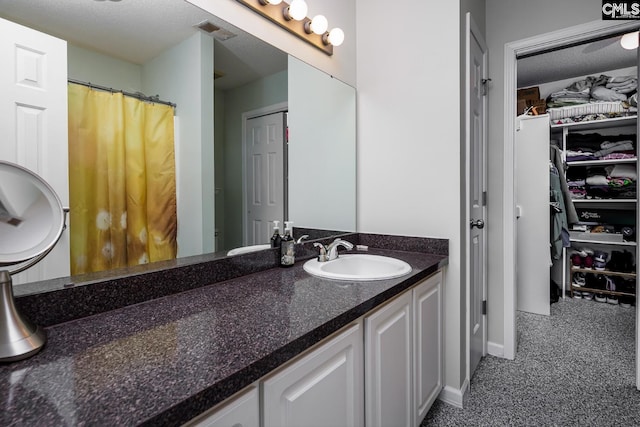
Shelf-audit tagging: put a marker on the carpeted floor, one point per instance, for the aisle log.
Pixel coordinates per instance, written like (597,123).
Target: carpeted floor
(573,368)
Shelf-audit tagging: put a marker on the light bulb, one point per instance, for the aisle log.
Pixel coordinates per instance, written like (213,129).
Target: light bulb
(297,10)
(318,24)
(335,37)
(630,41)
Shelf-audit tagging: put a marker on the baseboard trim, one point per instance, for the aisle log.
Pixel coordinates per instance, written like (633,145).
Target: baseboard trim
(453,396)
(494,349)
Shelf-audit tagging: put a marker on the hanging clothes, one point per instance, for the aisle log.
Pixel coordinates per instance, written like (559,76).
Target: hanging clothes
(559,227)
(556,159)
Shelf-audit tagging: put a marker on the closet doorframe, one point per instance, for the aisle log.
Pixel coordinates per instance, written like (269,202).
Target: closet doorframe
(539,43)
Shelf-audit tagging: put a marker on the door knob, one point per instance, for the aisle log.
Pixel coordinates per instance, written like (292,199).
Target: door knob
(477,223)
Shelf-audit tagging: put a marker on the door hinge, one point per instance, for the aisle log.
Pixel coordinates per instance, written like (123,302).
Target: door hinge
(484,85)
(484,307)
(484,198)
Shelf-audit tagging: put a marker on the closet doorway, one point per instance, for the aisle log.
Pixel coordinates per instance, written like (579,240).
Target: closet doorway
(544,42)
(264,182)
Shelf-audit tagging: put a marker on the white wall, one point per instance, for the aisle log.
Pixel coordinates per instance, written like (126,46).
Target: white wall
(322,149)
(184,75)
(409,136)
(340,13)
(93,67)
(509,21)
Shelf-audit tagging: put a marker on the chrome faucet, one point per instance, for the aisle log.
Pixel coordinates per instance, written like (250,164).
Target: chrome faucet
(323,252)
(332,249)
(330,252)
(301,238)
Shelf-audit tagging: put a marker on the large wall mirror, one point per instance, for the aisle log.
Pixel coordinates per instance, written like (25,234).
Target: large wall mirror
(230,89)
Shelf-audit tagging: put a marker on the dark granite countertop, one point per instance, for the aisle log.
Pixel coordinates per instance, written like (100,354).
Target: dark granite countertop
(164,361)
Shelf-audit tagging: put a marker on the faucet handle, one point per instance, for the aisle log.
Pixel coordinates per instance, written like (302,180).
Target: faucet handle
(322,257)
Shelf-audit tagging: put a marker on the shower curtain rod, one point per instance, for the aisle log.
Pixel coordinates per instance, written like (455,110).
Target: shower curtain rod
(139,96)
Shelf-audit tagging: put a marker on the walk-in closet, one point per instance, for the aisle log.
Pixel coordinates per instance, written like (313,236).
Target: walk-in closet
(576,174)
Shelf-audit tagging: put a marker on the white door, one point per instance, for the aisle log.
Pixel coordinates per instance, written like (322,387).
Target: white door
(637,251)
(33,119)
(476,137)
(322,389)
(264,177)
(532,227)
(387,366)
(428,340)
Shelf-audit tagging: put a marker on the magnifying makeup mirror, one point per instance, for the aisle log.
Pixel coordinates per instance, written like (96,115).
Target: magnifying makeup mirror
(32,220)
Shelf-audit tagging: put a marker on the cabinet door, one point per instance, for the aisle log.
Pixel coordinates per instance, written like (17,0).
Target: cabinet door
(322,389)
(241,411)
(427,356)
(388,364)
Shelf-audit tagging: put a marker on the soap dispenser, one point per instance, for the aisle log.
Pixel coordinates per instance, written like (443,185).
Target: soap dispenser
(287,248)
(275,239)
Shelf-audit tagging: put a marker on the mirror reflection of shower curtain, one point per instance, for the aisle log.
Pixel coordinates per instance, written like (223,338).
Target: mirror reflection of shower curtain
(122,181)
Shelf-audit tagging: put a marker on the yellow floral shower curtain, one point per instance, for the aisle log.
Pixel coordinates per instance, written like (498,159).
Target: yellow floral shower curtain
(122,189)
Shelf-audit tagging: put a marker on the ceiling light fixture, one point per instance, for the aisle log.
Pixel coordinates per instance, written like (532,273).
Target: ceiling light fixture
(317,25)
(334,37)
(297,10)
(630,40)
(292,17)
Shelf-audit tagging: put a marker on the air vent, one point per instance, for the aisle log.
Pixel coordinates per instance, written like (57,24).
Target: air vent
(217,32)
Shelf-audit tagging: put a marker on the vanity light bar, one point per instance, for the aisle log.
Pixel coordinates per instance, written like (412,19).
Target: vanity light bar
(276,12)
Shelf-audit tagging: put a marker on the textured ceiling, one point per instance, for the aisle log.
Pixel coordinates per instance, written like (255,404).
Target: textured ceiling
(586,59)
(138,30)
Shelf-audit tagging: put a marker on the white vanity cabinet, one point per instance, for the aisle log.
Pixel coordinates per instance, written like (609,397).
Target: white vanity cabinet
(428,341)
(388,337)
(324,388)
(242,410)
(403,356)
(384,369)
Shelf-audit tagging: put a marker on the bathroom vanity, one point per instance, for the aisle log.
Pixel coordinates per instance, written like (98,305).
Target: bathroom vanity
(243,344)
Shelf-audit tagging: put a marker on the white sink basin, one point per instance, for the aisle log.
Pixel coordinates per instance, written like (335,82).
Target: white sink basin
(247,249)
(358,267)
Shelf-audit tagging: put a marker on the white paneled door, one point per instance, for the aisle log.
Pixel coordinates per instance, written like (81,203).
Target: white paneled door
(264,176)
(532,198)
(476,91)
(33,119)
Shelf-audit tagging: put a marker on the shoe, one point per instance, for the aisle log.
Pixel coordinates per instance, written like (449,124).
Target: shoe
(587,262)
(577,295)
(616,261)
(626,262)
(588,296)
(611,286)
(626,302)
(597,282)
(576,260)
(628,286)
(578,280)
(600,260)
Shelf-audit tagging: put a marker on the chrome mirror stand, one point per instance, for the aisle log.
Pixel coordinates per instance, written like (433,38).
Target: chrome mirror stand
(19,339)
